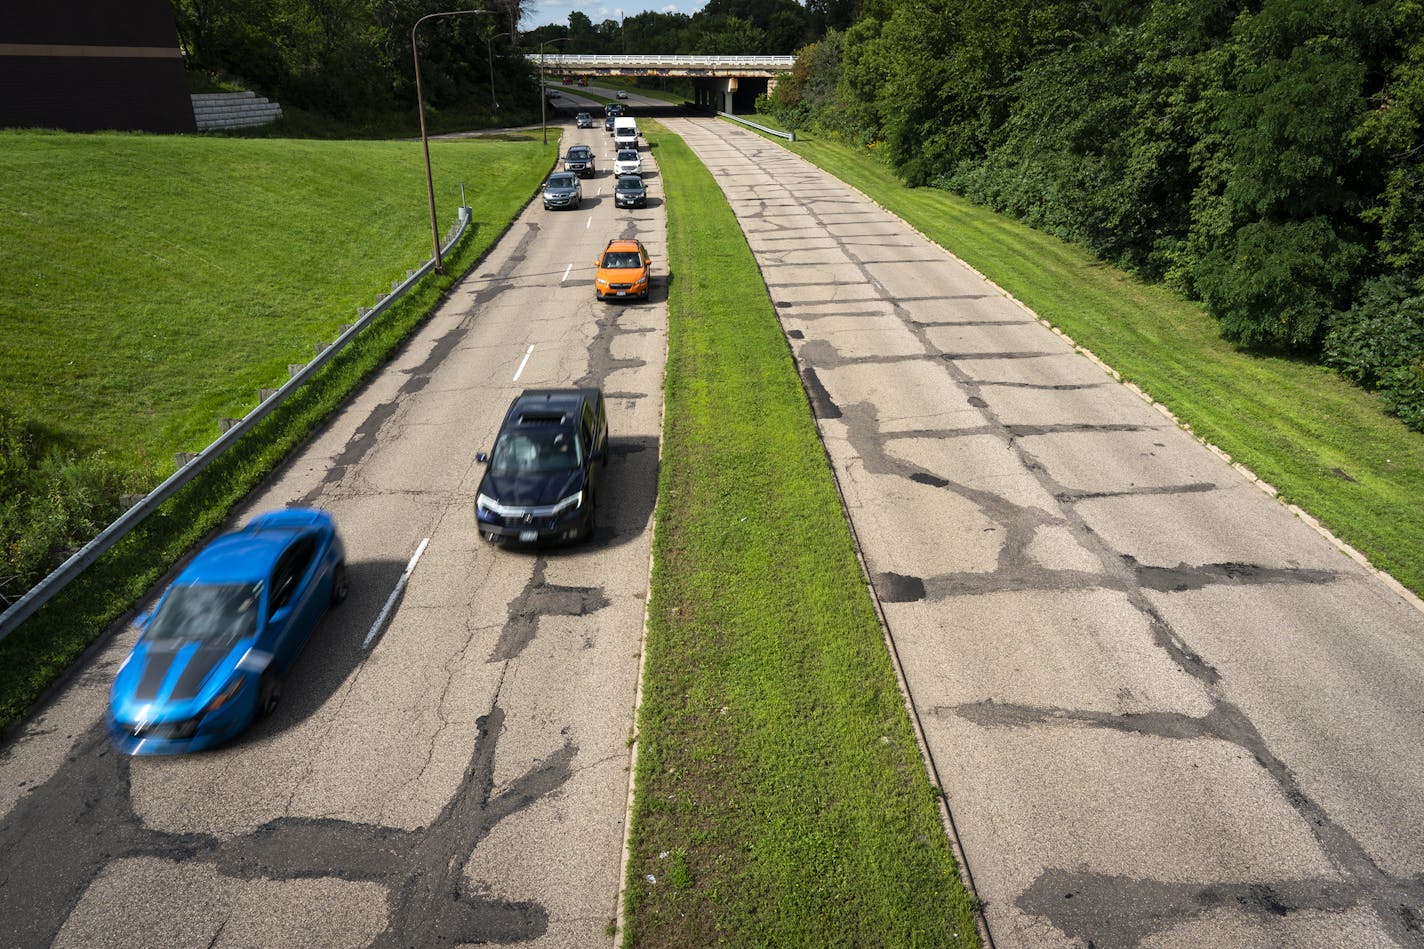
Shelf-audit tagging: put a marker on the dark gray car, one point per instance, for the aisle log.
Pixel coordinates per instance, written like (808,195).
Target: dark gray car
(563,190)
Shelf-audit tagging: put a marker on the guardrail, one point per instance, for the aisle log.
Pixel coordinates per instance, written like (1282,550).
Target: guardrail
(789,136)
(23,608)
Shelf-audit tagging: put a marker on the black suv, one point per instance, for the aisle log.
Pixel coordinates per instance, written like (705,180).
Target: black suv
(542,479)
(579,160)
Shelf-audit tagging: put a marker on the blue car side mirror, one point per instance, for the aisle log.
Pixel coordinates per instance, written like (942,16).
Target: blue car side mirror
(481,457)
(280,617)
(143,619)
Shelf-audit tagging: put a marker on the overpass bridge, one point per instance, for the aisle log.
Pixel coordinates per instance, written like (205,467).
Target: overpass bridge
(723,83)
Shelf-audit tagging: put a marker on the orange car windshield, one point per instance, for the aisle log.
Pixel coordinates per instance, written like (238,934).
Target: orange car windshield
(622,261)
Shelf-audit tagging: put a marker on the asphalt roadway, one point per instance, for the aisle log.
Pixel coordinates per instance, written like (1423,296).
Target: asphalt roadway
(463,776)
(1165,710)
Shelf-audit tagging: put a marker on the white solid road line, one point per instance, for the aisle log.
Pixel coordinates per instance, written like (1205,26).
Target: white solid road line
(380,622)
(520,371)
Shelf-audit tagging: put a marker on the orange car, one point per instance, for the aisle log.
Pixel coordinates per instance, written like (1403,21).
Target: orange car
(624,270)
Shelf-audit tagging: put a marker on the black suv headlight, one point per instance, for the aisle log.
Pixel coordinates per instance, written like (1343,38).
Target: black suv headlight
(570,503)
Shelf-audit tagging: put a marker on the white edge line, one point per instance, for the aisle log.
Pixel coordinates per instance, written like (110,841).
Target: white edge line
(525,361)
(380,622)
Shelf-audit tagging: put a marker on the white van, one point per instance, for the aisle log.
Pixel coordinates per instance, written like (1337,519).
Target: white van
(625,132)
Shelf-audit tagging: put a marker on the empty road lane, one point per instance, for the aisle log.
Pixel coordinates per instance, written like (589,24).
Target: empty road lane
(1164,710)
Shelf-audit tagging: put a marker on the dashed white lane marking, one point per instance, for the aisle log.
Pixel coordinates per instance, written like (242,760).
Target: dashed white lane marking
(567,271)
(589,223)
(380,622)
(525,361)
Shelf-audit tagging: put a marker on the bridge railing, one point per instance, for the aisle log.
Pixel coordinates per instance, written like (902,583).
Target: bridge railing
(555,60)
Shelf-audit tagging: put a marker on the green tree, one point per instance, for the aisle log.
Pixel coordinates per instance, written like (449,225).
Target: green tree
(1277,235)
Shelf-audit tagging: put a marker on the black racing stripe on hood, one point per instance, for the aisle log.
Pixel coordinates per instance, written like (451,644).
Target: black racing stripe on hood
(196,671)
(155,669)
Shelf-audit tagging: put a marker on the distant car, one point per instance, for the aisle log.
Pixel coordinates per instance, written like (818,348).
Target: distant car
(623,270)
(563,190)
(608,121)
(630,192)
(213,654)
(622,94)
(614,108)
(626,161)
(580,161)
(583,120)
(542,479)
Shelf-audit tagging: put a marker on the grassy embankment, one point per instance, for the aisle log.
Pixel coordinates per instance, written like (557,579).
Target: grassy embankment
(1326,445)
(150,285)
(781,796)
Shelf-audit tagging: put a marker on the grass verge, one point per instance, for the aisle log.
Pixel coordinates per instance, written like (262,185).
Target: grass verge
(1327,445)
(150,285)
(781,797)
(205,301)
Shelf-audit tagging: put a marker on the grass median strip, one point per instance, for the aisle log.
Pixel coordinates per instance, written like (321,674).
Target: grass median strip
(781,798)
(1326,445)
(221,350)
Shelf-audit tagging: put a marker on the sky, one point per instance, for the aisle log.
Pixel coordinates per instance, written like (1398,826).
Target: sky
(557,11)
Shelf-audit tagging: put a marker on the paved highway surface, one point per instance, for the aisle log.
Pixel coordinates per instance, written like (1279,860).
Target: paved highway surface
(1165,711)
(464,778)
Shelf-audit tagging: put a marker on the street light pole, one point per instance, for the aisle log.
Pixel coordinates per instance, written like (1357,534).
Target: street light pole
(424,140)
(490,44)
(543,96)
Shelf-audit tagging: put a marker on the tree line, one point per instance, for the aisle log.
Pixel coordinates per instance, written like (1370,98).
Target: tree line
(351,59)
(1262,157)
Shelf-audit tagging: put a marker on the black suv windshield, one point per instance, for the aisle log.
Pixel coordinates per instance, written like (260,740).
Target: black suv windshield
(536,451)
(213,613)
(579,154)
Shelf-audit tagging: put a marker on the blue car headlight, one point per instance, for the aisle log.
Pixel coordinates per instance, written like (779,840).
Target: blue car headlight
(225,696)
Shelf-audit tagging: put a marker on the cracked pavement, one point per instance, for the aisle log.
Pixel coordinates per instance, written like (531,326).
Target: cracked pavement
(464,780)
(1164,710)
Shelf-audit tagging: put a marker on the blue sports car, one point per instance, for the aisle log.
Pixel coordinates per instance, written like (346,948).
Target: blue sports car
(213,653)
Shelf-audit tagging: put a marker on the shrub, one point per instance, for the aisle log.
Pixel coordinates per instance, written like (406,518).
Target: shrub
(51,502)
(1275,284)
(1379,344)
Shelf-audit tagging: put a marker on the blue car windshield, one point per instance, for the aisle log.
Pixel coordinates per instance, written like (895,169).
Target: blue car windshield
(536,451)
(206,612)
